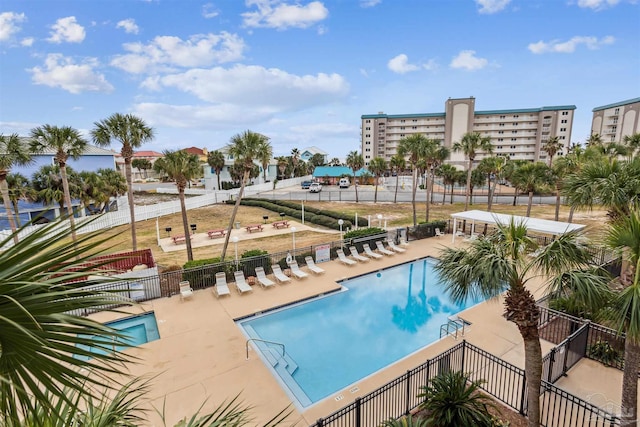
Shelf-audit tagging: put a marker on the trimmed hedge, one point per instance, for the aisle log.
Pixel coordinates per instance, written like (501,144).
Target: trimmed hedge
(427,229)
(364,232)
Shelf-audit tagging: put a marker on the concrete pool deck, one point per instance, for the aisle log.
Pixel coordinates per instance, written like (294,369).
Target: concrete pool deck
(201,355)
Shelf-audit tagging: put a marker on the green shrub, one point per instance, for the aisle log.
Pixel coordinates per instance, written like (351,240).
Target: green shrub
(353,234)
(253,252)
(200,262)
(603,352)
(427,229)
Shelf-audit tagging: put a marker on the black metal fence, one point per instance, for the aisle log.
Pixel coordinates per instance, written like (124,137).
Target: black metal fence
(565,355)
(502,380)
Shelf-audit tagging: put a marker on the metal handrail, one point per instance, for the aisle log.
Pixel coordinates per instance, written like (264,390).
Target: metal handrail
(265,341)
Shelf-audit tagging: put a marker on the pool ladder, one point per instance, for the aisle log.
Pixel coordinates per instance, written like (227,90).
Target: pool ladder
(452,327)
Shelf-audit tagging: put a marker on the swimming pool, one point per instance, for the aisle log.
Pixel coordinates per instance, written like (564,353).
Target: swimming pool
(138,330)
(335,340)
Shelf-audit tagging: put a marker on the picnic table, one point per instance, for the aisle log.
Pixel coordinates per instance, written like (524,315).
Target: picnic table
(179,239)
(220,232)
(280,224)
(254,227)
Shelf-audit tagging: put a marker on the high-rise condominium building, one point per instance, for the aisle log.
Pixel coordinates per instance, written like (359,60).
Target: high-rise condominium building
(615,121)
(518,133)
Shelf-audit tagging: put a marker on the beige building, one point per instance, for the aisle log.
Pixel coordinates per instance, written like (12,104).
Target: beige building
(615,121)
(518,133)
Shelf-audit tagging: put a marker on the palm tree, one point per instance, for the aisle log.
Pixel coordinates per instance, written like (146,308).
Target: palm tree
(413,147)
(66,142)
(624,236)
(215,159)
(335,162)
(594,140)
(181,167)
(42,280)
(131,132)
(408,421)
(295,158)
(142,165)
(551,147)
(477,179)
(449,174)
(47,183)
(532,177)
(283,162)
(503,261)
(19,189)
(377,166)
(355,163)
(244,148)
(470,144)
(441,154)
(397,165)
(452,399)
(632,142)
(432,157)
(12,153)
(559,172)
(493,167)
(265,153)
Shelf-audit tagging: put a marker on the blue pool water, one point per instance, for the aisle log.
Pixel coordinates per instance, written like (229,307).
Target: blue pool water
(335,340)
(138,330)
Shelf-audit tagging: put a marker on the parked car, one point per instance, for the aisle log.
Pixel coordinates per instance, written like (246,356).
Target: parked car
(344,183)
(306,184)
(316,187)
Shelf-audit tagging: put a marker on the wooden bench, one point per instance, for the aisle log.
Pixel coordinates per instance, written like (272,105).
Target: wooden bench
(254,227)
(180,239)
(216,233)
(280,224)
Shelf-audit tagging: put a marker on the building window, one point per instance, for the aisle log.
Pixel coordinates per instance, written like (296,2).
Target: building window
(500,139)
(402,121)
(515,116)
(414,127)
(563,129)
(501,124)
(513,139)
(515,124)
(401,135)
(368,149)
(563,121)
(499,147)
(415,120)
(500,131)
(502,117)
(617,111)
(565,113)
(514,131)
(368,143)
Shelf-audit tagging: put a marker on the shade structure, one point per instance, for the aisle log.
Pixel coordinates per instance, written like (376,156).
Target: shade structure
(544,226)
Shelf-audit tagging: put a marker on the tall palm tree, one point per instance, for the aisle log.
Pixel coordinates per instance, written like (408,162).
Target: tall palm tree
(377,166)
(335,162)
(215,159)
(559,172)
(131,132)
(12,153)
(594,140)
(470,144)
(283,162)
(141,165)
(449,174)
(503,261)
(413,147)
(295,159)
(624,236)
(265,153)
(47,183)
(493,167)
(19,189)
(244,147)
(532,177)
(441,154)
(67,143)
(551,147)
(397,164)
(632,142)
(42,281)
(432,157)
(181,167)
(355,162)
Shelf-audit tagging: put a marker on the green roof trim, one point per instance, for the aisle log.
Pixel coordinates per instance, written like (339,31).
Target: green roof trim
(617,104)
(400,116)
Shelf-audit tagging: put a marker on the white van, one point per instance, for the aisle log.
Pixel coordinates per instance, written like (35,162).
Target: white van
(344,183)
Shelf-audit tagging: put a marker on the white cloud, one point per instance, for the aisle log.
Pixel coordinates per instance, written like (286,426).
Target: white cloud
(256,88)
(570,46)
(400,64)
(63,72)
(467,60)
(129,26)
(199,116)
(597,4)
(67,30)
(166,52)
(9,24)
(492,6)
(280,15)
(369,3)
(27,42)
(430,65)
(209,11)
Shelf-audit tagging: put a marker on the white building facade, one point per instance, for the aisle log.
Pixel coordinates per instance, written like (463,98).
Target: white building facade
(615,121)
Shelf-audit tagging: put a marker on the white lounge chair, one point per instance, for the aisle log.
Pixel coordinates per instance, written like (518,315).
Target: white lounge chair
(343,258)
(311,265)
(295,270)
(439,233)
(279,275)
(185,290)
(355,255)
(241,284)
(368,252)
(382,249)
(263,279)
(221,287)
(393,246)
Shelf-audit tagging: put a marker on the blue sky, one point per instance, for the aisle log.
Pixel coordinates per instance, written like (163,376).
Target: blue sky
(304,72)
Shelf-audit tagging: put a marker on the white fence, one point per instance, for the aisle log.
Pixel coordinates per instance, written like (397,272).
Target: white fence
(146,212)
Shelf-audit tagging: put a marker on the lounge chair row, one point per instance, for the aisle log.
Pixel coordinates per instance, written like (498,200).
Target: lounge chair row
(356,256)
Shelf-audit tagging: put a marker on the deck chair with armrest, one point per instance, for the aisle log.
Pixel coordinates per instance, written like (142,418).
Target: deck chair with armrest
(311,265)
(241,284)
(355,255)
(263,279)
(295,270)
(221,288)
(382,249)
(393,246)
(368,252)
(185,290)
(279,275)
(439,233)
(343,258)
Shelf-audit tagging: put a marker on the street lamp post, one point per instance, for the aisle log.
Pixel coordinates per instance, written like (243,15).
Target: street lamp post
(293,236)
(340,222)
(234,239)
(380,220)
